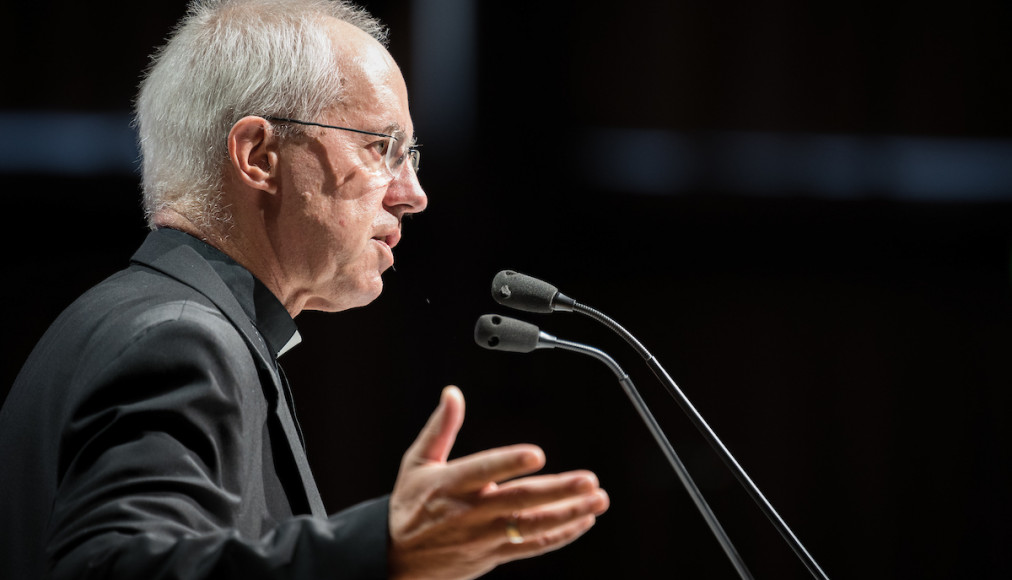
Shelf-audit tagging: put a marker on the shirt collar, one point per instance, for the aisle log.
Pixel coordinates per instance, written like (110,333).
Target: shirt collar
(263,308)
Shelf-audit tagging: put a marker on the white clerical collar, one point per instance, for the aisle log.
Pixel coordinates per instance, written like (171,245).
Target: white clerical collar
(292,343)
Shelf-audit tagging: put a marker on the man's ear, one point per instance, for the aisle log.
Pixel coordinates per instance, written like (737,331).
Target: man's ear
(252,152)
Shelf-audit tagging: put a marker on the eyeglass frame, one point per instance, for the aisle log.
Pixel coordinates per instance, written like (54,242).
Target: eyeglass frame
(412,153)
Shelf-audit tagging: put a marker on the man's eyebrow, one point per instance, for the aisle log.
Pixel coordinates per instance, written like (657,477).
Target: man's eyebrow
(394,128)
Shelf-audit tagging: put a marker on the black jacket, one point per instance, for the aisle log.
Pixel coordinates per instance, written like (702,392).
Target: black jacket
(149,436)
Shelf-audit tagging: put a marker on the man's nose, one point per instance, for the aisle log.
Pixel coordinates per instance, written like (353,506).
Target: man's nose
(405,194)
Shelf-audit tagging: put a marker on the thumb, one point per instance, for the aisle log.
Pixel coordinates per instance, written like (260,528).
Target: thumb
(436,439)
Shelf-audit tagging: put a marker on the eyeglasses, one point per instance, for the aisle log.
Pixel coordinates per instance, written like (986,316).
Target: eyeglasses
(396,151)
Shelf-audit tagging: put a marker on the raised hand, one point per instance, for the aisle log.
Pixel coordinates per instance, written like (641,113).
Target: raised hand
(459,519)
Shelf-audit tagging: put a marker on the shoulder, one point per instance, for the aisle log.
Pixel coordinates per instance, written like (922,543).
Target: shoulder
(137,323)
(145,310)
(134,305)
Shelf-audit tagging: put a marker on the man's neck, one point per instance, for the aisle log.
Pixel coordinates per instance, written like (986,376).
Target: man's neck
(238,245)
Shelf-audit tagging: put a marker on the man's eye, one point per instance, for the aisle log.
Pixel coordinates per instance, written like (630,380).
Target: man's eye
(398,160)
(382,146)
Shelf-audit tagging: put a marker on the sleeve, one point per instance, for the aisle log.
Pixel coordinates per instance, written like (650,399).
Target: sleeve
(159,469)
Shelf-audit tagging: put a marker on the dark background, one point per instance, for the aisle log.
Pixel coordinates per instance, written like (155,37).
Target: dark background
(852,350)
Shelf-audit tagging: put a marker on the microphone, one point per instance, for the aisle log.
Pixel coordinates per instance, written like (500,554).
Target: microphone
(527,293)
(496,332)
(523,292)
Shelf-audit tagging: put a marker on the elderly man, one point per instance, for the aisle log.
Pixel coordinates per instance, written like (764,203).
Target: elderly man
(151,434)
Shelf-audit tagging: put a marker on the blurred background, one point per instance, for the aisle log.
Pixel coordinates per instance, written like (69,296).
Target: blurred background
(803,209)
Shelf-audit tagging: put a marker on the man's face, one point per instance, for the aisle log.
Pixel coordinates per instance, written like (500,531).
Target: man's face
(341,210)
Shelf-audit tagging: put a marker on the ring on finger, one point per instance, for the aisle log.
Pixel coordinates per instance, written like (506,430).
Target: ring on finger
(513,534)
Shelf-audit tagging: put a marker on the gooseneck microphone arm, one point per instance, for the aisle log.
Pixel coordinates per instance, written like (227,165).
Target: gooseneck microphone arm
(502,333)
(530,294)
(750,487)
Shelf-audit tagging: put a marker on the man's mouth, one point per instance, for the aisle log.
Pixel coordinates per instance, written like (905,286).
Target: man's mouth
(391,239)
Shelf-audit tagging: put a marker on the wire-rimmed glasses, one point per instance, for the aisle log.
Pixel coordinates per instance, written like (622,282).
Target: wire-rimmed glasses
(397,149)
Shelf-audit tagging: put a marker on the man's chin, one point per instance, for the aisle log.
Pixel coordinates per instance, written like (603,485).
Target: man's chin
(346,300)
(363,297)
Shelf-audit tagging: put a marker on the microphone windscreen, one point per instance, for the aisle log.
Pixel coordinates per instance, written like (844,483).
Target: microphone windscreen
(523,292)
(496,332)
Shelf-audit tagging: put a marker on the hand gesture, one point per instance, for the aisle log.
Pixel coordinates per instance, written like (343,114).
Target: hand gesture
(459,519)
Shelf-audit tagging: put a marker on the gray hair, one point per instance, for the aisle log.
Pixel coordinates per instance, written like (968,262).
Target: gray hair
(227,59)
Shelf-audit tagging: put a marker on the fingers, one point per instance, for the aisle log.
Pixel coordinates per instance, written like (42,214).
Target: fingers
(539,490)
(550,527)
(436,439)
(539,507)
(475,472)
(449,519)
(544,519)
(535,545)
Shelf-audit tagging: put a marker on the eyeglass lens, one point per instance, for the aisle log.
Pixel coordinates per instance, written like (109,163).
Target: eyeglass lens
(398,152)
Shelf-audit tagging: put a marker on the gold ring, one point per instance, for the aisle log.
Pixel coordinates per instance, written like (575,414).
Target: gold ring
(513,534)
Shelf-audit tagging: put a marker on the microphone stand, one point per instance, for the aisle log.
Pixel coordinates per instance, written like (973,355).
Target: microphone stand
(549,341)
(708,434)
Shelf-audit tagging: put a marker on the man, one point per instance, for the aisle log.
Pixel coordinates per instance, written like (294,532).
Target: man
(150,434)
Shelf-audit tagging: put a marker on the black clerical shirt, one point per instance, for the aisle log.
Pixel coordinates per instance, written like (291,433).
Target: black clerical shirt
(151,434)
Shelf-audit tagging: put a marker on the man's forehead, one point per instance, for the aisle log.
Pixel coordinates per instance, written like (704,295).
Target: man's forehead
(358,53)
(373,85)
